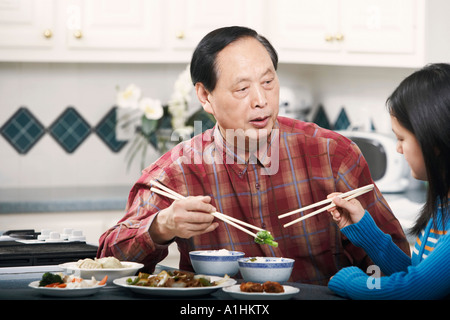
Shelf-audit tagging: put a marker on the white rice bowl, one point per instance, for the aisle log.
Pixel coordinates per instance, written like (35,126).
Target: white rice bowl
(262,269)
(216,262)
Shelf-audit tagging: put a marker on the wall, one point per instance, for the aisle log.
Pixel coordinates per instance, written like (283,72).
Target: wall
(46,89)
(361,91)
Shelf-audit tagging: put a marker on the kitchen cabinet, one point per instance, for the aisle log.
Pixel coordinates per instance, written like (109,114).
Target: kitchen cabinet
(392,33)
(79,30)
(26,24)
(370,26)
(397,33)
(191,20)
(114,24)
(151,31)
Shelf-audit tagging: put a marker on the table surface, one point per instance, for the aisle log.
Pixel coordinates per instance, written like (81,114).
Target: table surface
(14,283)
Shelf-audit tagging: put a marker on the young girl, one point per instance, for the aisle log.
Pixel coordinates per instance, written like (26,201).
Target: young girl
(420,118)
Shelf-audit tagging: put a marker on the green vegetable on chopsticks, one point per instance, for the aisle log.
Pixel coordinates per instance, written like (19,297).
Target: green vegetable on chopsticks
(264,237)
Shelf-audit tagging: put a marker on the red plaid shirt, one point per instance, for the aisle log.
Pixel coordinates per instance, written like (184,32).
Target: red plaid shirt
(313,162)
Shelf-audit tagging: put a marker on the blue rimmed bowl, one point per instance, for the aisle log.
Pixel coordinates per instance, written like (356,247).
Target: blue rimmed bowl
(262,269)
(216,262)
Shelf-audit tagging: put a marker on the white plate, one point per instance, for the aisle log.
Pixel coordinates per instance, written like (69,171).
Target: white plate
(65,292)
(130,269)
(174,292)
(235,292)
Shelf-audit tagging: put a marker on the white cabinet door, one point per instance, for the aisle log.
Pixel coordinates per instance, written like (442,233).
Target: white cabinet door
(190,20)
(304,24)
(118,24)
(379,26)
(26,23)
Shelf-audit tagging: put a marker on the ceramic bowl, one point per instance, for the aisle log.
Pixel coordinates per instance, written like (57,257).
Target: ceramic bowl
(216,262)
(129,269)
(262,269)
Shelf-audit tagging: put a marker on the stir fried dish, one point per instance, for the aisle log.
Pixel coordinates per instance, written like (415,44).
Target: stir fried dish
(172,279)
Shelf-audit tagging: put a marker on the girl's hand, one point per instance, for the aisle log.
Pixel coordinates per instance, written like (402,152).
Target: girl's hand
(346,212)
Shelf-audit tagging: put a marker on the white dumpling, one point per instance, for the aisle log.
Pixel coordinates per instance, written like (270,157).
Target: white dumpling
(88,264)
(110,263)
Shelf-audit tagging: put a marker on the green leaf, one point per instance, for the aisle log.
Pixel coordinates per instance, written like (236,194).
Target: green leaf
(148,125)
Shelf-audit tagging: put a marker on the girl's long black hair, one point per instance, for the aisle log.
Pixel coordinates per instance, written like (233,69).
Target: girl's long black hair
(421,104)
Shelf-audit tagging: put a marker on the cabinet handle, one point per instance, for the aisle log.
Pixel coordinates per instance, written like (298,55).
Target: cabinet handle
(48,33)
(339,37)
(329,38)
(78,34)
(180,35)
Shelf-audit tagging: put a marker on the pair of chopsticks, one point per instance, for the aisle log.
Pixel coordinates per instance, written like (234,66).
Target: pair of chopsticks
(169,193)
(347,196)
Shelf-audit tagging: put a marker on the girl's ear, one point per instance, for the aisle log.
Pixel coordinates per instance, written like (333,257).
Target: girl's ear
(203,97)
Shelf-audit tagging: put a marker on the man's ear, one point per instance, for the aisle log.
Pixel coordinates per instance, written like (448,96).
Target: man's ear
(203,97)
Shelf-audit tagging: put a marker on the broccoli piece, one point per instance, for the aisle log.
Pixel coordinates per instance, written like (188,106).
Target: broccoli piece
(264,237)
(49,278)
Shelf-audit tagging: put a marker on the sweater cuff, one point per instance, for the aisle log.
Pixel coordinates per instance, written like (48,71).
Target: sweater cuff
(364,232)
(340,280)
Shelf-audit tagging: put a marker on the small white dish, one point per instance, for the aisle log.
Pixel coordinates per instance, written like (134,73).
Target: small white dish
(65,292)
(129,269)
(235,292)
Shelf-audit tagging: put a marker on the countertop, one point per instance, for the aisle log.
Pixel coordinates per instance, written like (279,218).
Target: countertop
(14,286)
(62,199)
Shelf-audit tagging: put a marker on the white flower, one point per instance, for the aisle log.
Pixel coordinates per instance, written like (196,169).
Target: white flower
(152,108)
(129,97)
(177,108)
(178,123)
(183,132)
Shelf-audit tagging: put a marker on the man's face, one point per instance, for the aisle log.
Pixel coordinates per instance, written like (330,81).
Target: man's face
(246,95)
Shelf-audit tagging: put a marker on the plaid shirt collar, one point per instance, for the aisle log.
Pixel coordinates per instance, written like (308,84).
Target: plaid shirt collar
(238,159)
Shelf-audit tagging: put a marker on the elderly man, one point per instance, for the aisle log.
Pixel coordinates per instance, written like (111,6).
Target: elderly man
(254,166)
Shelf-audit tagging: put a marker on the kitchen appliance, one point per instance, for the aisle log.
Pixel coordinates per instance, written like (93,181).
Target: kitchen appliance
(22,248)
(295,103)
(388,168)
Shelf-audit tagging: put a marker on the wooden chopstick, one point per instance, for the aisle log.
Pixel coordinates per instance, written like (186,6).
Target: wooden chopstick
(354,195)
(367,187)
(233,221)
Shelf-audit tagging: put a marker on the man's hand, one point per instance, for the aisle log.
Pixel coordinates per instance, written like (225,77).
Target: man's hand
(184,219)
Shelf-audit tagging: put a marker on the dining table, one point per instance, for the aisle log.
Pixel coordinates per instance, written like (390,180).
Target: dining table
(15,281)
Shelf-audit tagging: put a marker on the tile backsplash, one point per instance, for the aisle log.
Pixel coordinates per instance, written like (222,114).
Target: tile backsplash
(23,130)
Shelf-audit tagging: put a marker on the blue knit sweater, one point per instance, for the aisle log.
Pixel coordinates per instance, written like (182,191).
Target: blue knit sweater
(425,275)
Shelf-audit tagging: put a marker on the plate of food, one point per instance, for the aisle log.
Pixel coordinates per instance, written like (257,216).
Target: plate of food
(269,290)
(174,283)
(99,268)
(60,285)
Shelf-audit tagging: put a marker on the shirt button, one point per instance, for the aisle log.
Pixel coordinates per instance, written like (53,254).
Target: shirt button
(263,225)
(257,186)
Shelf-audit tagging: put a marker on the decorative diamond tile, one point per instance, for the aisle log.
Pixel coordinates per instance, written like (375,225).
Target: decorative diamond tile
(106,130)
(321,118)
(342,121)
(22,130)
(70,130)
